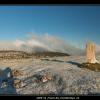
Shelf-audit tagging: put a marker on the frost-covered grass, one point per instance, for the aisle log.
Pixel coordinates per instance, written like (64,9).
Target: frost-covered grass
(67,77)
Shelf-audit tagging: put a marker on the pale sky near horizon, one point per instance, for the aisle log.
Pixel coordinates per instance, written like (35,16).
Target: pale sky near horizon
(73,24)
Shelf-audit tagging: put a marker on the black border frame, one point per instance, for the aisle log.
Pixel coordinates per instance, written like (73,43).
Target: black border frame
(20,2)
(50,3)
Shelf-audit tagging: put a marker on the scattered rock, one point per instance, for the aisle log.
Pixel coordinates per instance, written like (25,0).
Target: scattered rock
(46,78)
(18,84)
(16,73)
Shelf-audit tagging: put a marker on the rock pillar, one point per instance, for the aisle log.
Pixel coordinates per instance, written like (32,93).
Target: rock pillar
(90,53)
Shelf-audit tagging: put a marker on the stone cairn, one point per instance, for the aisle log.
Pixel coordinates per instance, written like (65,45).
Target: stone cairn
(90,53)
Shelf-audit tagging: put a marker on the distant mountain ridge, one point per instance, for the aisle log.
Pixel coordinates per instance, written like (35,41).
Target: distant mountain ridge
(11,54)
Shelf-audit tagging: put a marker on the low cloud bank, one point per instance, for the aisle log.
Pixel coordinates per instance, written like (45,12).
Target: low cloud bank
(43,43)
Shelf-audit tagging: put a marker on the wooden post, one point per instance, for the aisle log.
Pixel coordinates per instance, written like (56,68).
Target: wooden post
(90,53)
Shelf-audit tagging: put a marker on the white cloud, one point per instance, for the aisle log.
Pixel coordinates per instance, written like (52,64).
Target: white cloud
(37,43)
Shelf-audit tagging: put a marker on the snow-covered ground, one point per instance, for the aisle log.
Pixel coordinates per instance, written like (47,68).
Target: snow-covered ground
(66,76)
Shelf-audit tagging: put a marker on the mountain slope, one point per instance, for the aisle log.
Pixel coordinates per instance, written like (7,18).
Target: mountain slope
(11,54)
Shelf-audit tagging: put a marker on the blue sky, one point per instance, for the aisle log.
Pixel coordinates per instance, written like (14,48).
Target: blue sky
(73,24)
